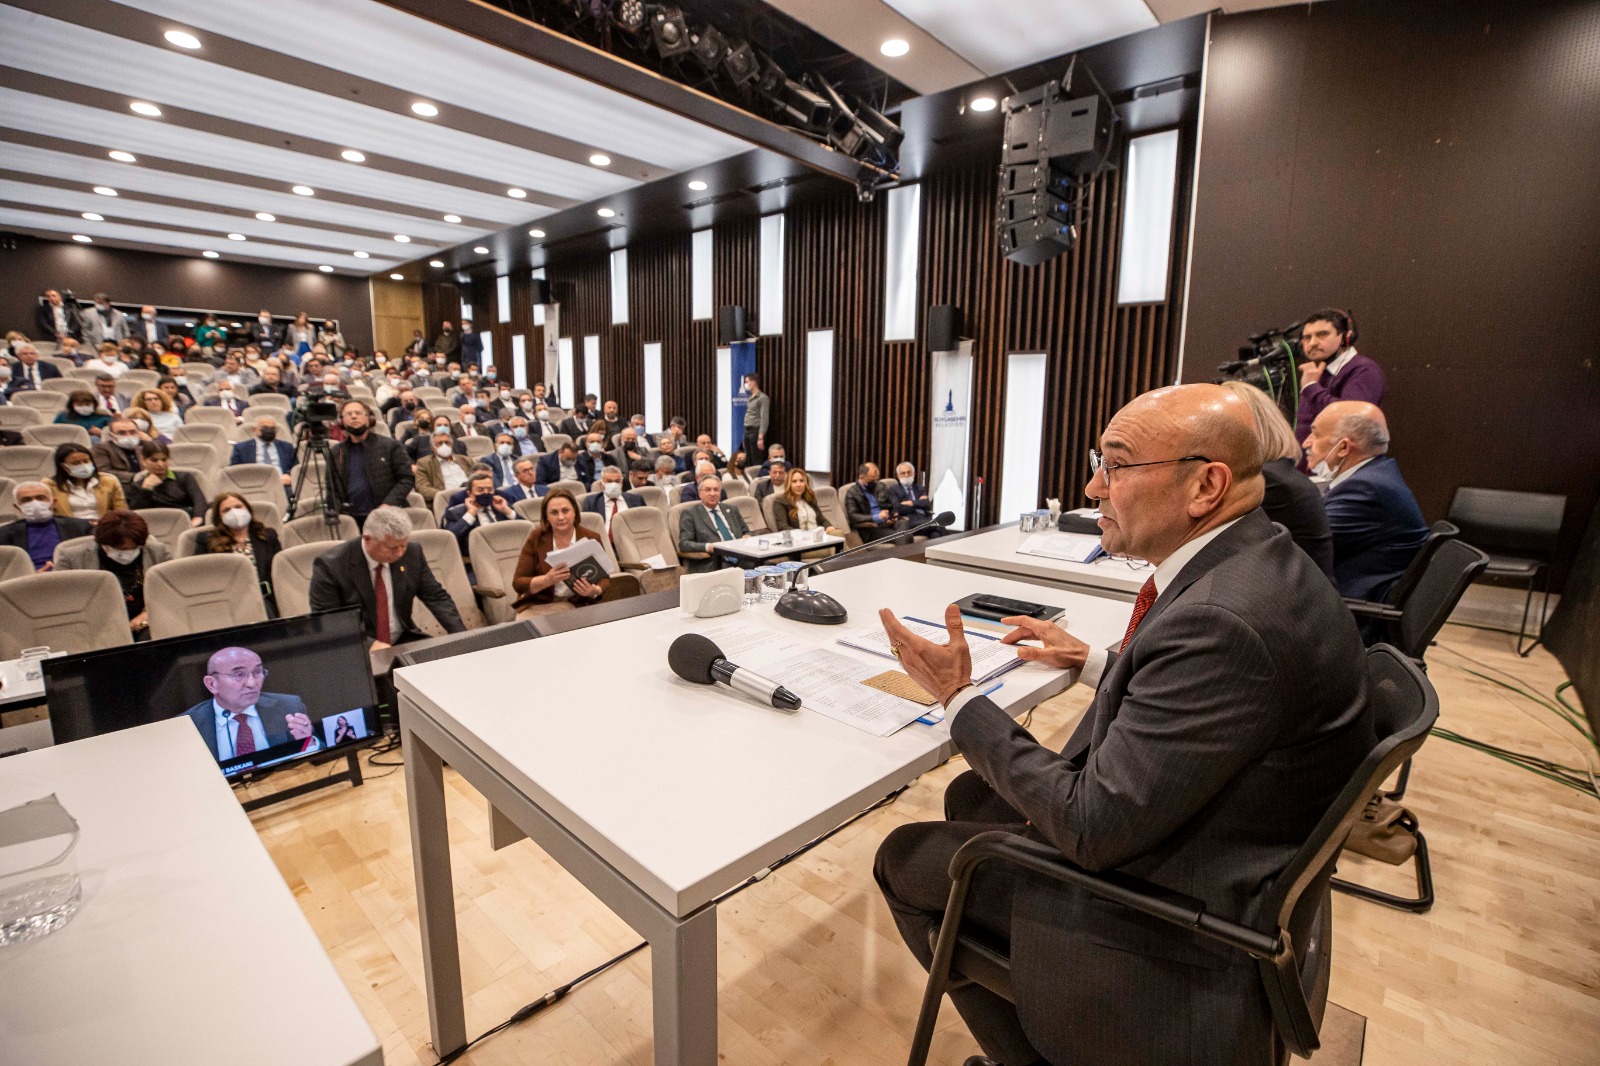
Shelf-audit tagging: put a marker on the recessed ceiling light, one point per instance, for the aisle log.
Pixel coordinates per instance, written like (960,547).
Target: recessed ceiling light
(92,217)
(235,236)
(123,157)
(139,107)
(81,239)
(983,103)
(105,190)
(425,109)
(536,233)
(452,218)
(182,38)
(517,194)
(606,212)
(698,186)
(209,255)
(894,47)
(304,190)
(361,255)
(265,217)
(600,159)
(402,238)
(325,268)
(436,263)
(350,155)
(481,250)
(397,277)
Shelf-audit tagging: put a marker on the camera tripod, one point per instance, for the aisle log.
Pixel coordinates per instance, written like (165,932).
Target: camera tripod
(316,459)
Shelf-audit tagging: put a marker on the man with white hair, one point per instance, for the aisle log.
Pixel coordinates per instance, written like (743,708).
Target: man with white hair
(384,574)
(39,530)
(1376,524)
(29,371)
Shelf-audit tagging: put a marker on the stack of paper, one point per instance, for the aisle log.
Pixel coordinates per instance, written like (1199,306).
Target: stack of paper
(1067,547)
(990,658)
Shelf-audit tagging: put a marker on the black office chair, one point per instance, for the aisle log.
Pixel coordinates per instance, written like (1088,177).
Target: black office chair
(1293,956)
(1519,531)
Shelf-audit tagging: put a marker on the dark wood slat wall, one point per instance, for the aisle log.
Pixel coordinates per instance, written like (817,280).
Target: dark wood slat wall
(1099,355)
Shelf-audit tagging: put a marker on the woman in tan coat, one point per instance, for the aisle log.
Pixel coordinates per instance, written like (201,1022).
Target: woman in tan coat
(79,490)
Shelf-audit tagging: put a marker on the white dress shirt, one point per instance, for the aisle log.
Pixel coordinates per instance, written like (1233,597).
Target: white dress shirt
(395,627)
(451,474)
(228,730)
(1347,471)
(1095,664)
(612,508)
(1336,364)
(60,311)
(149,330)
(115,367)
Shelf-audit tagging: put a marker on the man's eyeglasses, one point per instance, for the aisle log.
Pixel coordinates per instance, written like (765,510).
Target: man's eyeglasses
(1098,465)
(239,677)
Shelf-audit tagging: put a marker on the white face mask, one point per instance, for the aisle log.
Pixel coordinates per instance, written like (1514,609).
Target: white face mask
(81,471)
(444,451)
(129,442)
(84,409)
(544,416)
(149,317)
(527,405)
(594,447)
(264,319)
(612,489)
(237,518)
(124,556)
(503,450)
(468,419)
(35,510)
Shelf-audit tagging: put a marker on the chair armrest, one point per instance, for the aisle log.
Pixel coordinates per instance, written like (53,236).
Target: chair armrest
(488,592)
(635,566)
(1158,902)
(1368,609)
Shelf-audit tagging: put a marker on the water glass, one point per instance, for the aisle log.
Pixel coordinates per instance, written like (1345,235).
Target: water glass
(39,886)
(774,582)
(752,587)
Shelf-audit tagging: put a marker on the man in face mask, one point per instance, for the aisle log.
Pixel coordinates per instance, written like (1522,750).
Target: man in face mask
(29,371)
(39,530)
(481,506)
(102,323)
(263,446)
(500,462)
(613,500)
(106,361)
(117,453)
(629,449)
(373,470)
(865,505)
(774,453)
(909,504)
(447,343)
(443,470)
(148,329)
(523,440)
(228,397)
(1376,524)
(263,334)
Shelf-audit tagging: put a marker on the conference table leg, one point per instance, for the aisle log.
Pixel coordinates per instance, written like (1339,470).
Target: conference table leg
(430,857)
(683,979)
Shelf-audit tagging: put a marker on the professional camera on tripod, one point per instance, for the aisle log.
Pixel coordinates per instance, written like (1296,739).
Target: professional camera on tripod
(1269,363)
(314,446)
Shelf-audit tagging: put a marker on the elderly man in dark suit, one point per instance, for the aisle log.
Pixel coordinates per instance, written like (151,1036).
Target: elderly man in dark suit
(1376,524)
(29,371)
(385,574)
(1222,729)
(374,470)
(701,527)
(56,319)
(240,719)
(613,498)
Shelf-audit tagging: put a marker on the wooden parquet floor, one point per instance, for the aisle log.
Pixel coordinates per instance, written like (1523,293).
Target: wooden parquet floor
(1504,970)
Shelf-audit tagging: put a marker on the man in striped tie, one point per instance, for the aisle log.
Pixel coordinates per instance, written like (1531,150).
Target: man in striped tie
(1223,726)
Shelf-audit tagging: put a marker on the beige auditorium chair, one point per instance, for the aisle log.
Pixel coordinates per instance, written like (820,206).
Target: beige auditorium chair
(530,510)
(45,348)
(8,509)
(48,404)
(733,488)
(421,518)
(216,590)
(211,416)
(769,510)
(291,576)
(554,441)
(205,433)
(191,542)
(76,373)
(256,410)
(268,514)
(14,562)
(755,518)
(138,380)
(450,413)
(640,533)
(72,611)
(443,553)
(198,456)
(253,481)
(441,504)
(276,402)
(60,362)
(312,528)
(653,497)
(574,487)
(476,447)
(167,525)
(494,550)
(760,483)
(53,436)
(61,386)
(16,418)
(675,524)
(27,462)
(832,509)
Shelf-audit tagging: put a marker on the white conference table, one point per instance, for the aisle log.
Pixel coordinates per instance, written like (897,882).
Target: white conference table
(678,792)
(769,546)
(995,552)
(188,947)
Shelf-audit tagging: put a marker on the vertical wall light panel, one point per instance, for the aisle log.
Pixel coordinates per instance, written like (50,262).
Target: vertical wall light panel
(538,308)
(1023,429)
(818,452)
(703,303)
(591,366)
(1147,218)
(519,361)
(568,380)
(653,418)
(619,287)
(724,403)
(502,303)
(900,248)
(771,275)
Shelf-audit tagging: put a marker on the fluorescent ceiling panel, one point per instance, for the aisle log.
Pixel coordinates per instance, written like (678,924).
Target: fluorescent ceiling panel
(997,38)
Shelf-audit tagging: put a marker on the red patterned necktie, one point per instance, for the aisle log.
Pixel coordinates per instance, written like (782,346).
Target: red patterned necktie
(244,743)
(1141,606)
(380,593)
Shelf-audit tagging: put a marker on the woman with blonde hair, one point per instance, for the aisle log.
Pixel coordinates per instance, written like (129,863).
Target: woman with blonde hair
(145,422)
(163,415)
(1291,499)
(797,506)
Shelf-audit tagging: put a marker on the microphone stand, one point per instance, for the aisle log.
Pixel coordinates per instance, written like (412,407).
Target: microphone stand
(802,604)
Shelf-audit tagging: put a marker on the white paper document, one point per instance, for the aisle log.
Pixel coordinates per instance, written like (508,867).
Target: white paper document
(657,562)
(1066,547)
(990,658)
(581,549)
(744,642)
(830,684)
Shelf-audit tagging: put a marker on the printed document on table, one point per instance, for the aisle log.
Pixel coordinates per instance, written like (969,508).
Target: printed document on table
(830,684)
(1066,547)
(990,658)
(743,642)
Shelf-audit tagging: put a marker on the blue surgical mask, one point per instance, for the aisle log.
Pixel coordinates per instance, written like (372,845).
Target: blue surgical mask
(520,432)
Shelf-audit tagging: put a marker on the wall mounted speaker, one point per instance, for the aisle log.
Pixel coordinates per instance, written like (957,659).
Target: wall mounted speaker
(731,324)
(944,328)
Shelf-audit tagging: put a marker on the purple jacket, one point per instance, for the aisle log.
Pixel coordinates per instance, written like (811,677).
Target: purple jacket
(1361,379)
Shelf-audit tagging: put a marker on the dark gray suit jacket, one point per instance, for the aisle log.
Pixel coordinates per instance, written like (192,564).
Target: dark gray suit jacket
(340,578)
(696,530)
(1214,744)
(273,708)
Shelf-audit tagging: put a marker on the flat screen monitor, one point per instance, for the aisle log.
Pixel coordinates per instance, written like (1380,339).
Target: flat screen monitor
(261,696)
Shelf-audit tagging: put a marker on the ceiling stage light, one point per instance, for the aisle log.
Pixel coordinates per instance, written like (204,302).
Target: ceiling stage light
(81,239)
(92,217)
(894,47)
(209,254)
(265,217)
(123,157)
(182,38)
(350,155)
(139,107)
(670,31)
(983,103)
(105,190)
(304,190)
(425,109)
(452,218)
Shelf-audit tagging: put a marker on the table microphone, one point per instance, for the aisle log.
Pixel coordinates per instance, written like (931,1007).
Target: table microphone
(697,658)
(819,608)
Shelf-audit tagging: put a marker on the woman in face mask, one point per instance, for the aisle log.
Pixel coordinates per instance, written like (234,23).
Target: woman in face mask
(330,338)
(79,490)
(234,527)
(158,485)
(209,334)
(82,410)
(123,548)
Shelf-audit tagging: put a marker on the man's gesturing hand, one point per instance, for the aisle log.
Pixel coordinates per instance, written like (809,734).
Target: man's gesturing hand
(941,669)
(1061,649)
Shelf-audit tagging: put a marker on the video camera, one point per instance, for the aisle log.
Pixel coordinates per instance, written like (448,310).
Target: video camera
(320,411)
(1269,363)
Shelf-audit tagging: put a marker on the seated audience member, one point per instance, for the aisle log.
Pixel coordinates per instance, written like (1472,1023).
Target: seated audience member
(475,423)
(117,453)
(264,447)
(736,471)
(865,506)
(577,423)
(175,387)
(524,481)
(39,529)
(107,361)
(613,499)
(564,464)
(594,446)
(611,413)
(228,398)
(667,448)
(666,472)
(522,439)
(420,441)
(373,469)
(690,491)
(271,384)
(701,527)
(775,452)
(122,547)
(482,505)
(1218,737)
(164,415)
(797,506)
(777,476)
(235,528)
(629,449)
(541,588)
(144,424)
(1376,524)
(402,406)
(442,470)
(501,461)
(1333,370)
(908,503)
(640,473)
(636,423)
(1291,499)
(79,490)
(29,371)
(158,485)
(105,394)
(384,574)
(705,444)
(83,412)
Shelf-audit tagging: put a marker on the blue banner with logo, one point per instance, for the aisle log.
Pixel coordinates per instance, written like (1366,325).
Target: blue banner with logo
(742,361)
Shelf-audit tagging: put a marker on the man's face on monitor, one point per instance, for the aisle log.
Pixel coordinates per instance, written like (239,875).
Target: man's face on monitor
(235,679)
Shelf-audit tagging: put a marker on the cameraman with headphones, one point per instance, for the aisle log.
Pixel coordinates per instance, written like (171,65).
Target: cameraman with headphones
(1333,369)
